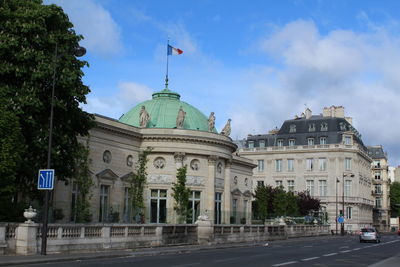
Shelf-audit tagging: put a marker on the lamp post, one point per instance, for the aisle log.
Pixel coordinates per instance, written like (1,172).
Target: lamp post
(78,52)
(342,224)
(337,215)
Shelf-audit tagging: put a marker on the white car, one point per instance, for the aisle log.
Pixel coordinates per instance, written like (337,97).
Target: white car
(370,234)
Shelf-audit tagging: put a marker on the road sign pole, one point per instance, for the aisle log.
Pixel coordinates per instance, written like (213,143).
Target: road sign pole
(45,219)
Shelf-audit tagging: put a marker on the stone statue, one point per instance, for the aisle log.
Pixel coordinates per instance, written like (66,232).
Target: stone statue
(144,117)
(227,128)
(211,122)
(181,118)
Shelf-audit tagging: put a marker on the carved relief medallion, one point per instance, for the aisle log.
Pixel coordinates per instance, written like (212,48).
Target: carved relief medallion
(159,163)
(195,164)
(235,180)
(129,161)
(246,181)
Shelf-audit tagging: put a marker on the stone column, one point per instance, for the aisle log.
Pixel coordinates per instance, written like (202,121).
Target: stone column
(205,231)
(26,243)
(210,188)
(227,193)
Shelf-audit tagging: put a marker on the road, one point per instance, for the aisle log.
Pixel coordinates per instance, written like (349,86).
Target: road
(319,251)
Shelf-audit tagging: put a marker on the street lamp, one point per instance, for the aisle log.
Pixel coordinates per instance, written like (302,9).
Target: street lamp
(337,215)
(342,224)
(78,52)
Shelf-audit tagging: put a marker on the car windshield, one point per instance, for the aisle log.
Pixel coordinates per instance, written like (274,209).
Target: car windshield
(367,230)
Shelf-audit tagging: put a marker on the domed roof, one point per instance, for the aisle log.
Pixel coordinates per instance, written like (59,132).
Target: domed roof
(163,110)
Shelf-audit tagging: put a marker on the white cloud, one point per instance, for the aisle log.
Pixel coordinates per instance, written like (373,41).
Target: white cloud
(101,33)
(129,95)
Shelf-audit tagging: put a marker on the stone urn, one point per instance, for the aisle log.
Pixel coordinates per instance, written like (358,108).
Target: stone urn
(30,214)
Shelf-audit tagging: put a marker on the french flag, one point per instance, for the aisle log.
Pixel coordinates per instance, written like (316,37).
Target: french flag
(172,51)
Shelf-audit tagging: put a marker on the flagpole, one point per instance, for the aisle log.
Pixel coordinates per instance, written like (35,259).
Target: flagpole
(166,76)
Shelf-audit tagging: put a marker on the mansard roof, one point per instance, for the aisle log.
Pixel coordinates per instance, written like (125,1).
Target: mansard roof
(376,152)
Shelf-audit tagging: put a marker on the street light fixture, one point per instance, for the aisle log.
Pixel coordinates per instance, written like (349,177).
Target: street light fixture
(342,224)
(78,52)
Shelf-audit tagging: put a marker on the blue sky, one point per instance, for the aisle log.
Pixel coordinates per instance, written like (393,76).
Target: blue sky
(256,62)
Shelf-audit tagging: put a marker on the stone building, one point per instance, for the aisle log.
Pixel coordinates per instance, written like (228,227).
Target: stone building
(323,154)
(179,134)
(381,187)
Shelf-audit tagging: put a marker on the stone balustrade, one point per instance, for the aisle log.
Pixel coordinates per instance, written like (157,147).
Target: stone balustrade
(25,238)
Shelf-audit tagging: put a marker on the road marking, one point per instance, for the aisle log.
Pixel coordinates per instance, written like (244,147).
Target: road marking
(189,264)
(330,254)
(285,263)
(344,247)
(310,259)
(356,248)
(344,251)
(227,259)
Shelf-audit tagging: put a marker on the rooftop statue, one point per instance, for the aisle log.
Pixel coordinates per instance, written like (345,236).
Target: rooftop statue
(144,117)
(211,122)
(227,128)
(181,118)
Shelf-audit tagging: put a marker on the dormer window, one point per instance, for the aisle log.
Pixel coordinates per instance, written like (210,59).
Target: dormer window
(280,142)
(291,142)
(310,141)
(251,144)
(261,143)
(311,127)
(324,127)
(347,140)
(292,128)
(342,126)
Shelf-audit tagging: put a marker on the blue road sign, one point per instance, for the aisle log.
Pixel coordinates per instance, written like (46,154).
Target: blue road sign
(46,179)
(340,219)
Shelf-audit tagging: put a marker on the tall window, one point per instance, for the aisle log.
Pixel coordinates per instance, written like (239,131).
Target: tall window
(290,165)
(127,206)
(158,206)
(347,188)
(291,142)
(245,203)
(292,128)
(251,144)
(311,127)
(378,189)
(322,140)
(260,183)
(280,142)
(378,203)
(104,205)
(377,175)
(310,187)
(234,211)
(260,166)
(290,185)
(278,183)
(309,164)
(194,206)
(74,198)
(323,188)
(347,140)
(322,164)
(261,143)
(217,208)
(310,141)
(278,165)
(349,212)
(347,164)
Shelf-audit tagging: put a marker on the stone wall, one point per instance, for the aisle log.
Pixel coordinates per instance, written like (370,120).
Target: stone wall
(25,238)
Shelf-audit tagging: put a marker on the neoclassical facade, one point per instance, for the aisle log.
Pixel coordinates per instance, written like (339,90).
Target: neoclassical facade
(178,134)
(381,187)
(323,154)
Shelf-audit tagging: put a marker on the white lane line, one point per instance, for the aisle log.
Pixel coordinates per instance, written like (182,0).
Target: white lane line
(227,259)
(356,248)
(310,259)
(344,251)
(189,264)
(285,263)
(330,254)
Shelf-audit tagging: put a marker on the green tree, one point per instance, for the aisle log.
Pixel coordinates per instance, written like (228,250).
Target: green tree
(292,209)
(181,195)
(395,199)
(307,203)
(84,182)
(30,33)
(280,201)
(261,202)
(138,181)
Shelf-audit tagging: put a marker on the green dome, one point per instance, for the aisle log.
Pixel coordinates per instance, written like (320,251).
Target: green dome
(163,110)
